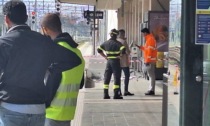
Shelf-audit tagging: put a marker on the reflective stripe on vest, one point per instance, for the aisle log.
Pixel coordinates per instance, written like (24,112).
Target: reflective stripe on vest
(151,47)
(63,106)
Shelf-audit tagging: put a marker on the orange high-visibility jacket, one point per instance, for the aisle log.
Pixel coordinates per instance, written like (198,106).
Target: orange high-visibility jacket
(149,49)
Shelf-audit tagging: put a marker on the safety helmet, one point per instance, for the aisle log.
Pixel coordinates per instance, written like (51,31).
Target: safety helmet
(114,32)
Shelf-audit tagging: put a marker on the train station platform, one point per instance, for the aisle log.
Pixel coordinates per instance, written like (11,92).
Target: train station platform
(137,110)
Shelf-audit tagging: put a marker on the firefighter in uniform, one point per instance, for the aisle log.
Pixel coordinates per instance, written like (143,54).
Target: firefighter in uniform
(113,49)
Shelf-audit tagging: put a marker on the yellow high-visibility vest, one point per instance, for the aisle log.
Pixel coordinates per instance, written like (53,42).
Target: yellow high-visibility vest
(63,106)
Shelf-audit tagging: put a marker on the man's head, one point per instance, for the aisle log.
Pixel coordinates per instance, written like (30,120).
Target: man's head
(51,25)
(122,33)
(145,31)
(15,13)
(114,33)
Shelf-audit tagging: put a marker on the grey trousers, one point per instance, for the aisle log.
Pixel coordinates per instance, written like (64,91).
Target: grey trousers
(151,73)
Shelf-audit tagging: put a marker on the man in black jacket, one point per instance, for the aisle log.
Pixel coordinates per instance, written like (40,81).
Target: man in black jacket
(25,56)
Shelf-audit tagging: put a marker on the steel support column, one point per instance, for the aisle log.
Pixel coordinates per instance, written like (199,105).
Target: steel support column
(191,99)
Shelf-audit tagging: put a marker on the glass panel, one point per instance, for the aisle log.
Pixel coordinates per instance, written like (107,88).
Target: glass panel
(174,62)
(206,86)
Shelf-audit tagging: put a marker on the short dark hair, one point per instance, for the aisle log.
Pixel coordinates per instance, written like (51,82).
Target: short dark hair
(145,30)
(52,21)
(16,11)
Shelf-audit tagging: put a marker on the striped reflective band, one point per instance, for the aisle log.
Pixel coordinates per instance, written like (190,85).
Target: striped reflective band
(68,88)
(152,58)
(64,102)
(66,95)
(114,33)
(109,52)
(151,47)
(112,57)
(116,86)
(101,48)
(106,86)
(121,48)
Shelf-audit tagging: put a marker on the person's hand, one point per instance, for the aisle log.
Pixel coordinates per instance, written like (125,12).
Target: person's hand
(147,64)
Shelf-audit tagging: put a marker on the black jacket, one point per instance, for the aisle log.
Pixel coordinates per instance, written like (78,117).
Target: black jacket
(25,56)
(55,78)
(112,45)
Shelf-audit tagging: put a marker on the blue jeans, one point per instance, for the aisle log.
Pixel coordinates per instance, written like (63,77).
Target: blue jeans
(11,118)
(126,71)
(50,122)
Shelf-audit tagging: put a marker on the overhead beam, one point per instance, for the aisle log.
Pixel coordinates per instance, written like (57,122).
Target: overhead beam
(100,4)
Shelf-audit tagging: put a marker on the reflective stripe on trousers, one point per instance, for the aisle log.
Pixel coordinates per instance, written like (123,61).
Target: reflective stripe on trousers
(113,67)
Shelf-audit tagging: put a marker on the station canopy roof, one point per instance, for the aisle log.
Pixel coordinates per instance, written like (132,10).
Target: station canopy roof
(100,4)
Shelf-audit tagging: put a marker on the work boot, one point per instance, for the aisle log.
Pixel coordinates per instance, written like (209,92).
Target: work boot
(117,94)
(150,93)
(120,93)
(128,93)
(106,94)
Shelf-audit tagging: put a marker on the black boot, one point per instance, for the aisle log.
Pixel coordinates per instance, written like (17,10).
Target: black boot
(150,93)
(106,94)
(117,94)
(128,93)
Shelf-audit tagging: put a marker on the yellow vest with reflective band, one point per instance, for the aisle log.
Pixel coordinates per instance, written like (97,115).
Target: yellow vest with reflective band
(63,106)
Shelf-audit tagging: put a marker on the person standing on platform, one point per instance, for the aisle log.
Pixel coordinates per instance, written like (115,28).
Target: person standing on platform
(63,105)
(150,56)
(124,62)
(25,56)
(113,49)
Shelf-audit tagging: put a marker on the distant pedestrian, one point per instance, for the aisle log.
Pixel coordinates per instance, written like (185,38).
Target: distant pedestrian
(113,49)
(63,104)
(150,55)
(124,61)
(172,36)
(25,56)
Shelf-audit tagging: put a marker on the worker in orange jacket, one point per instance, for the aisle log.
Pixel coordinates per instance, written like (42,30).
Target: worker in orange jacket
(150,54)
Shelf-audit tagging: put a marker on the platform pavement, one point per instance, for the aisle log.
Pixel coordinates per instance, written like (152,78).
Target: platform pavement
(137,110)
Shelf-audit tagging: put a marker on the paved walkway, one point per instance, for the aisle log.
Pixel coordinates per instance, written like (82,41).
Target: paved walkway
(137,110)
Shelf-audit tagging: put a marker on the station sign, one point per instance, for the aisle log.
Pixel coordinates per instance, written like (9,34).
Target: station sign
(202,34)
(90,14)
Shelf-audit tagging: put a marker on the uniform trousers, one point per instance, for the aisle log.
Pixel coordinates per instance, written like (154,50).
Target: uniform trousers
(113,67)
